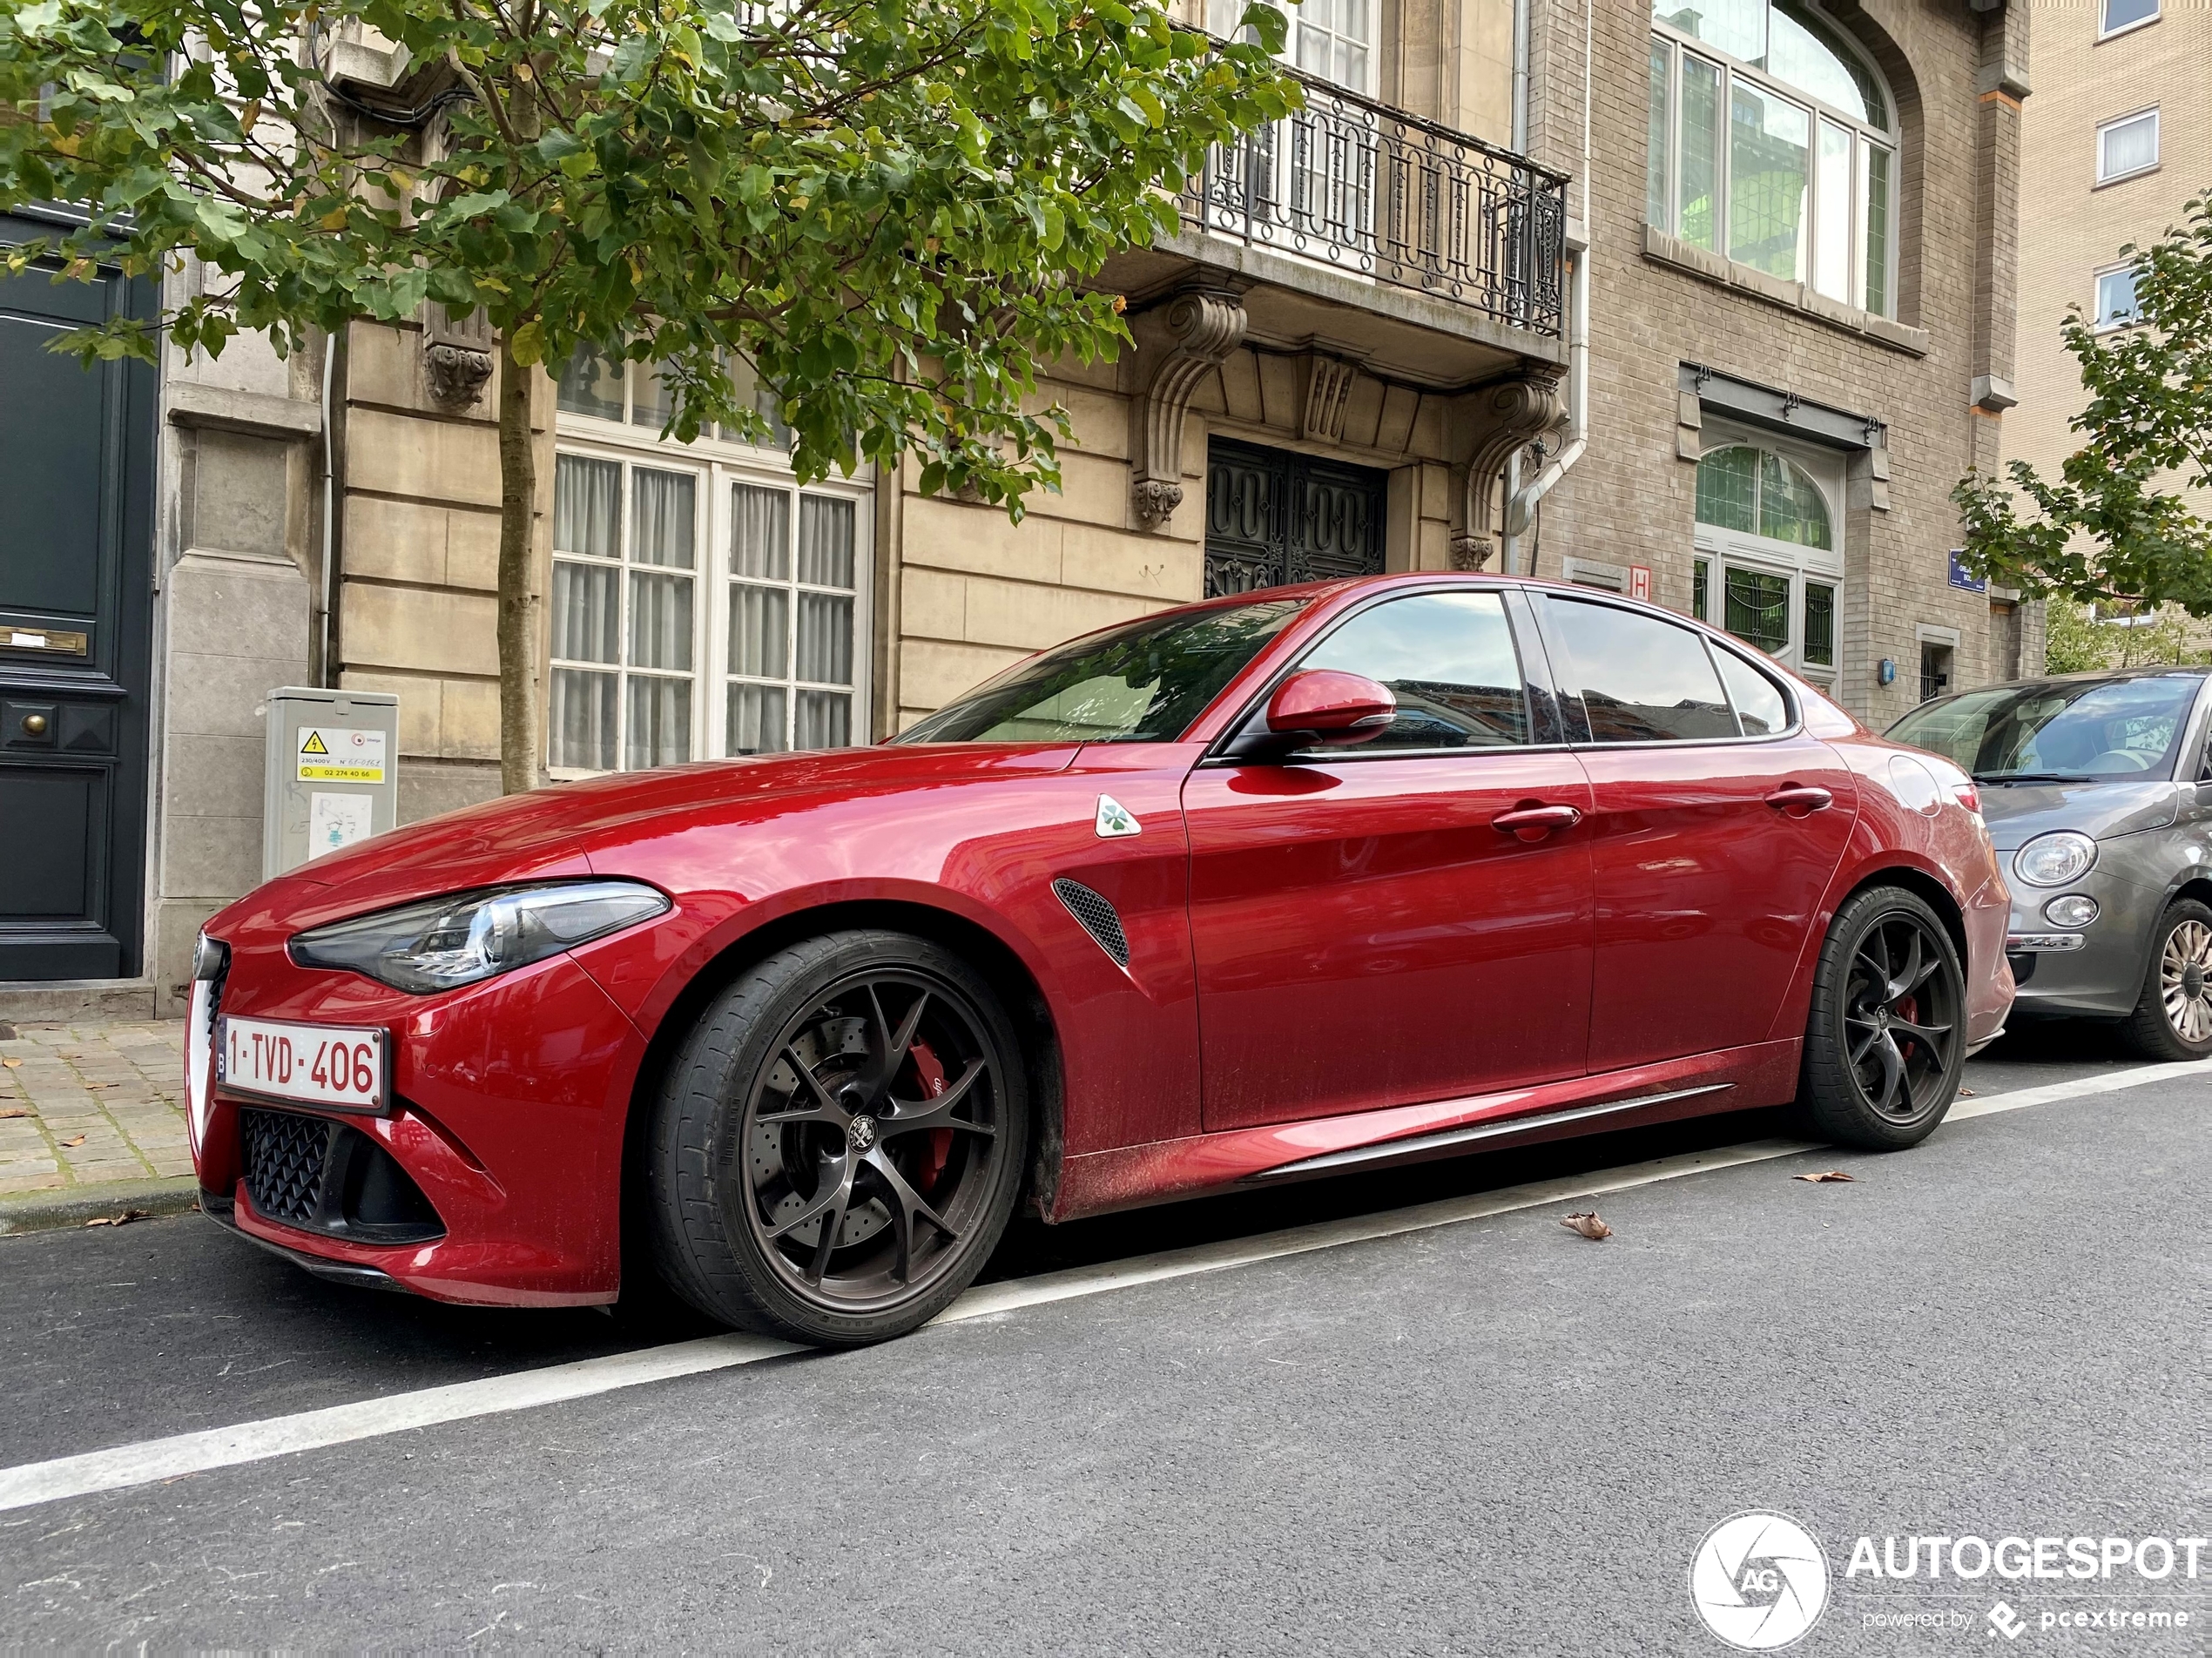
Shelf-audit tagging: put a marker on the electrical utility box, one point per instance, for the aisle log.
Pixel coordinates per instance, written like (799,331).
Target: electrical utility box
(334,774)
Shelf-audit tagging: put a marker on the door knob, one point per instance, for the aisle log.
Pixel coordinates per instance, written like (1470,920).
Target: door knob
(1799,800)
(34,725)
(1535,822)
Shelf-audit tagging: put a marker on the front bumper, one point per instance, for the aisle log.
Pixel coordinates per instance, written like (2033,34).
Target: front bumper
(2103,976)
(510,1098)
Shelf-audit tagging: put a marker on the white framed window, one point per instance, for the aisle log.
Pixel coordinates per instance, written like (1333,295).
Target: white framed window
(2127,147)
(1773,141)
(1768,562)
(2117,17)
(703,604)
(1334,40)
(2116,298)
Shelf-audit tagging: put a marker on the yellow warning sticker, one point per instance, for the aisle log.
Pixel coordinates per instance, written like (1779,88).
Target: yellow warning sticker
(339,754)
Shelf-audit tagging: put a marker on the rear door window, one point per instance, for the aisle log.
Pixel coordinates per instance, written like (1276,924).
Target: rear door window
(1642,680)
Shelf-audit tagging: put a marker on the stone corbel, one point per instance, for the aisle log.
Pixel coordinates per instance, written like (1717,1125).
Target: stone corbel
(456,356)
(1203,325)
(1512,414)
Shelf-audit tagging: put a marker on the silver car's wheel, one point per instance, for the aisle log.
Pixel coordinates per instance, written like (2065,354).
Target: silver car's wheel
(2173,1019)
(2182,984)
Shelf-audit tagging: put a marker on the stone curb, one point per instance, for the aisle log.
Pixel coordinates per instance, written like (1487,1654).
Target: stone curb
(67,1206)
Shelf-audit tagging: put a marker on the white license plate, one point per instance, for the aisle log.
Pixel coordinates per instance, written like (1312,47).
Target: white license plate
(340,1066)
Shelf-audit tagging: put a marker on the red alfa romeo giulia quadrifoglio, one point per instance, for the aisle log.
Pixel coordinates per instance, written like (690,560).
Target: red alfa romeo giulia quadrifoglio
(1315,878)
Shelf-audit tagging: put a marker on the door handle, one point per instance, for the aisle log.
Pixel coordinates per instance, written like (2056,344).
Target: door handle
(1533,822)
(1800,800)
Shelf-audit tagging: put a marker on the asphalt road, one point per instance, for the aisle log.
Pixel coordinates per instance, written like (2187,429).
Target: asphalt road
(1486,1437)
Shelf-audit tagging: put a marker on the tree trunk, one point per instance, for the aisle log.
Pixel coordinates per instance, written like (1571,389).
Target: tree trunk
(521,744)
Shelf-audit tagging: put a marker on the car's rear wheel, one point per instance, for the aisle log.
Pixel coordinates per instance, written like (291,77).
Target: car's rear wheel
(1887,1041)
(2173,1017)
(839,1143)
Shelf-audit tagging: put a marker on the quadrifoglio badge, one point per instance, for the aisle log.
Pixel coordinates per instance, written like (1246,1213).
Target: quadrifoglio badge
(1761,1581)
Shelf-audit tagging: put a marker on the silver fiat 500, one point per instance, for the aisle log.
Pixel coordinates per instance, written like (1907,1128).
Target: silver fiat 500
(2097,789)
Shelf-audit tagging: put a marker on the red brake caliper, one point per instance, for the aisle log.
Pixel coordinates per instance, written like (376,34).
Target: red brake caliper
(931,1072)
(1909,1010)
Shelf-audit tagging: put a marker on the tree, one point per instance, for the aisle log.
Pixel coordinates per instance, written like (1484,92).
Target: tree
(2114,527)
(887,208)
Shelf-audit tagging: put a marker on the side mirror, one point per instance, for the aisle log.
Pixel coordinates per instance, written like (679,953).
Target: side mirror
(1322,708)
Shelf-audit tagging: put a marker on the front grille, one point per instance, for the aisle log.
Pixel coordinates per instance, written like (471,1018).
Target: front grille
(1097,916)
(330,1177)
(284,1161)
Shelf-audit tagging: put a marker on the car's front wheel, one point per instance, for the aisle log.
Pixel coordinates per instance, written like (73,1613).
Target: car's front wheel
(1887,1041)
(2173,1017)
(839,1144)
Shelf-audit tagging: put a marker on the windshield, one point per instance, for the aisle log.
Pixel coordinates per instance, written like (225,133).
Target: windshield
(1144,683)
(2063,731)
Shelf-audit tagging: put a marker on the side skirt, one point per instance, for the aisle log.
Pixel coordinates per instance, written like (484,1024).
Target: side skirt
(1133,1176)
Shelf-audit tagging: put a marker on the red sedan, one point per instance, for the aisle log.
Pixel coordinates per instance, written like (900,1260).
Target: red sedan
(1310,880)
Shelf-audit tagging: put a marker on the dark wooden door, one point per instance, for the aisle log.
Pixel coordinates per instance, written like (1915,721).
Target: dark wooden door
(76,580)
(1274,517)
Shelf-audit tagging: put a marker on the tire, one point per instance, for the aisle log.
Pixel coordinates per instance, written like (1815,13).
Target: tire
(2173,1017)
(838,1143)
(1888,965)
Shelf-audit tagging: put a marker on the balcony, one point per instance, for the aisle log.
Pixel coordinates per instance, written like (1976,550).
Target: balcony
(1380,194)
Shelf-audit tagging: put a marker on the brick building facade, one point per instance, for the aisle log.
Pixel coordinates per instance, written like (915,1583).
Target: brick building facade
(2119,140)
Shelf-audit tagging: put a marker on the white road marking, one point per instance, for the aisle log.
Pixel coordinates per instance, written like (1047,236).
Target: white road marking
(152,1460)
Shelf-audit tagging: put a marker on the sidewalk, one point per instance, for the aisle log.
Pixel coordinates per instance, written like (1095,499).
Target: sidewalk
(92,1122)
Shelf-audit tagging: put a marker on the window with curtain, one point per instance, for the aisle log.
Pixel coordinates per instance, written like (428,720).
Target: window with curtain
(2116,298)
(1772,140)
(703,604)
(1768,567)
(2127,146)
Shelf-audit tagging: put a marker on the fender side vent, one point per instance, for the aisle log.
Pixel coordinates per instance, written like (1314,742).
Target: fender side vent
(1097,917)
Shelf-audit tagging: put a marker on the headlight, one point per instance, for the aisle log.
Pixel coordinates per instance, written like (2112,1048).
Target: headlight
(2075,909)
(442,942)
(2054,859)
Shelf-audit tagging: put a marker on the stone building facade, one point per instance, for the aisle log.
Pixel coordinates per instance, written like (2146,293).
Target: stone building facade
(1450,317)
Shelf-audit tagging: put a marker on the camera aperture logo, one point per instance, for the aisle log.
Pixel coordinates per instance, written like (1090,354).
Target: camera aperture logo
(1759,1581)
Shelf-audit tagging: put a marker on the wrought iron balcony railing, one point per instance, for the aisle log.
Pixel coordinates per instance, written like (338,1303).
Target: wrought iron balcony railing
(1352,183)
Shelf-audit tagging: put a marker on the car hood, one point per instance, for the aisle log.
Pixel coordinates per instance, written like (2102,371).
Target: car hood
(2017,812)
(555,831)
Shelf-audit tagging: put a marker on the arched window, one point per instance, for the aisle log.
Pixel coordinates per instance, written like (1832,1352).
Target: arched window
(1774,142)
(1768,567)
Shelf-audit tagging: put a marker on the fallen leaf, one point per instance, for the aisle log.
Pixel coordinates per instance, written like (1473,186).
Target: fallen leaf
(1965,1093)
(12,1062)
(15,1111)
(1825,1173)
(1585,1224)
(123,1219)
(77,1142)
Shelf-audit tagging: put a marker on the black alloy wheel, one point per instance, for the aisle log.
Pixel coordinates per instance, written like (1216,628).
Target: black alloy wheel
(840,1142)
(1887,1041)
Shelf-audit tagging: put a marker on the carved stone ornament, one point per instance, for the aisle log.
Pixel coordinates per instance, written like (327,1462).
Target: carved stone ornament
(1328,395)
(1470,553)
(1514,412)
(1204,325)
(455,374)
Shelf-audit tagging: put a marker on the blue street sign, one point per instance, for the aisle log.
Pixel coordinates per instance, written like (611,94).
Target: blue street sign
(1958,576)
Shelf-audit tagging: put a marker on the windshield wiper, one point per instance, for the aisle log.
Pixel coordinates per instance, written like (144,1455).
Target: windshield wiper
(2034,777)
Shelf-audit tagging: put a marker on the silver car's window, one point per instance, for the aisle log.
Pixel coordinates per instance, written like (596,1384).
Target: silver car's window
(2058,730)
